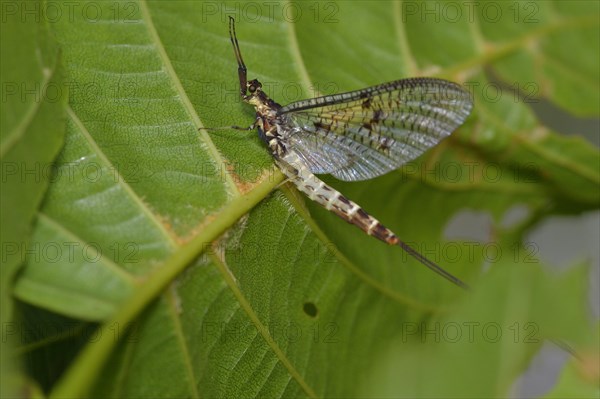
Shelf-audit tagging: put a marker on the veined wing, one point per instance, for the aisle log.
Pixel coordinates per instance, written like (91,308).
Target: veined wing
(365,133)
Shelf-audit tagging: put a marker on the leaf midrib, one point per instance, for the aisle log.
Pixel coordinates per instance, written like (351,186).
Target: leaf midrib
(84,369)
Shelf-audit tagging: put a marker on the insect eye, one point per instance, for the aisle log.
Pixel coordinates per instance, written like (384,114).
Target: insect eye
(254,85)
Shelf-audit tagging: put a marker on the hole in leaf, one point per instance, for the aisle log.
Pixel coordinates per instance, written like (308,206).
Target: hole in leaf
(310,309)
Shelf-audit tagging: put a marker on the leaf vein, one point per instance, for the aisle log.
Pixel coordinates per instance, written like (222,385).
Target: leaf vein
(262,329)
(189,370)
(212,149)
(405,50)
(16,134)
(298,59)
(126,187)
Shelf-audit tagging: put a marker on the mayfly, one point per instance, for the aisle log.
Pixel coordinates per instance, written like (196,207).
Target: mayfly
(355,136)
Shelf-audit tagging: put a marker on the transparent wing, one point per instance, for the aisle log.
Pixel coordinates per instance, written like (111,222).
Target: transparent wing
(366,133)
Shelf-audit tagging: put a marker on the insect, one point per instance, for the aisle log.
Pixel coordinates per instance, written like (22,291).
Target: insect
(355,136)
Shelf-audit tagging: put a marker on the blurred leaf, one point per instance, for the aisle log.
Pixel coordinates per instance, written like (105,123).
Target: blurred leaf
(488,341)
(292,301)
(580,376)
(31,134)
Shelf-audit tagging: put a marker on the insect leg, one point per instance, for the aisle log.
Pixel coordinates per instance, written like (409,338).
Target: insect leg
(234,127)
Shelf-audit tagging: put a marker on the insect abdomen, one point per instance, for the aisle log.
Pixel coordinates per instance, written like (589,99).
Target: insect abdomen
(318,191)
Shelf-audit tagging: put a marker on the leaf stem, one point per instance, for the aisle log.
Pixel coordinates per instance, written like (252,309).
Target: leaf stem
(80,377)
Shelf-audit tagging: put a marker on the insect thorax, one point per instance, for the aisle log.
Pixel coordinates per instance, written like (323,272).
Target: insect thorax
(266,117)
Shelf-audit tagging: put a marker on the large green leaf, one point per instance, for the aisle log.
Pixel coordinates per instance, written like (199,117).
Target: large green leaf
(288,300)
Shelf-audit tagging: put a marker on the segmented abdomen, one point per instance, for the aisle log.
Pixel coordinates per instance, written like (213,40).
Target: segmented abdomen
(317,190)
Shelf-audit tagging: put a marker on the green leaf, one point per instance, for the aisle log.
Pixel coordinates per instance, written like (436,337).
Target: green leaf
(31,134)
(580,377)
(487,342)
(283,298)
